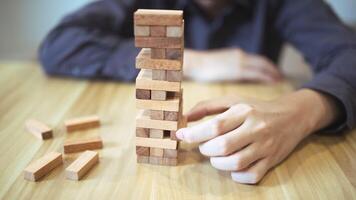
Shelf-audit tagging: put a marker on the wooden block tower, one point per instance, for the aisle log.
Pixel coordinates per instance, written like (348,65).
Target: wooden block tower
(158,85)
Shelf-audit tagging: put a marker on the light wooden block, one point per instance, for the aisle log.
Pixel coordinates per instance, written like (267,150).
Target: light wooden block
(144,81)
(144,61)
(158,42)
(156,133)
(158,53)
(82,145)
(157,31)
(82,165)
(143,94)
(159,74)
(156,143)
(143,159)
(157,114)
(170,116)
(82,123)
(174,54)
(43,166)
(158,17)
(158,95)
(170,153)
(174,31)
(168,105)
(141,30)
(39,129)
(142,151)
(142,132)
(157,152)
(174,75)
(144,121)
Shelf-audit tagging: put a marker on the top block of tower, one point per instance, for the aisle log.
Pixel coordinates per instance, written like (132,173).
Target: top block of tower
(158,17)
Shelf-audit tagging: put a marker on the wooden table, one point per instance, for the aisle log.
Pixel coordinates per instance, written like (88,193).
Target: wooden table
(322,167)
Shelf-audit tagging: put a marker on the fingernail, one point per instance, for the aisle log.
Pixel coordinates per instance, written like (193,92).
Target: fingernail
(179,134)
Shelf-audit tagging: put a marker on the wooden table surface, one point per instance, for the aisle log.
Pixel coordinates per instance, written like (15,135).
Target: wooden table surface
(322,167)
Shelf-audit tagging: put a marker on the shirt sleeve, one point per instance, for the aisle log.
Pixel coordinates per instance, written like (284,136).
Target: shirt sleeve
(94,42)
(329,47)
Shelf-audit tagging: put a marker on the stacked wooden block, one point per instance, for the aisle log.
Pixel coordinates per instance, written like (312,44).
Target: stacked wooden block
(158,85)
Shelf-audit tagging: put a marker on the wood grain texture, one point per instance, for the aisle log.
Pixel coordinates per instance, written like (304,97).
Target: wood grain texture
(156,143)
(144,61)
(39,129)
(158,17)
(81,166)
(157,31)
(168,105)
(82,145)
(158,42)
(81,123)
(321,167)
(143,120)
(43,166)
(158,53)
(144,81)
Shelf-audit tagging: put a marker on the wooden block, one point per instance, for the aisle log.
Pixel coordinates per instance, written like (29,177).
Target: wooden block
(157,31)
(174,31)
(156,160)
(142,151)
(144,81)
(157,114)
(142,132)
(168,105)
(144,61)
(82,165)
(170,153)
(158,95)
(158,152)
(38,129)
(158,53)
(143,159)
(158,42)
(170,116)
(170,161)
(174,75)
(156,143)
(156,133)
(158,17)
(143,121)
(181,124)
(174,54)
(82,123)
(159,74)
(141,30)
(143,94)
(43,166)
(82,145)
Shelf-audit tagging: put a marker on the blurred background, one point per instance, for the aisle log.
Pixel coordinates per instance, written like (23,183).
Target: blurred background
(25,23)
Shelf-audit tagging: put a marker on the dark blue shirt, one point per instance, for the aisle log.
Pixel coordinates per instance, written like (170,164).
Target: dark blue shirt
(97,40)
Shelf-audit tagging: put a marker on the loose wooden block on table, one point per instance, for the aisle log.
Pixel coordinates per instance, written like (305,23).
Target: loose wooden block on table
(143,94)
(38,129)
(141,30)
(156,143)
(158,17)
(158,95)
(144,82)
(43,166)
(81,145)
(82,123)
(144,61)
(144,121)
(82,165)
(158,42)
(157,31)
(158,53)
(168,105)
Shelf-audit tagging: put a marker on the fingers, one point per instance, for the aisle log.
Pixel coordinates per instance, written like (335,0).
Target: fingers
(237,161)
(253,174)
(216,126)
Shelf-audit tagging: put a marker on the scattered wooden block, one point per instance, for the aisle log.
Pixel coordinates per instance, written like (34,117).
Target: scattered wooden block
(142,132)
(143,159)
(82,123)
(141,30)
(43,166)
(144,81)
(174,31)
(82,145)
(158,42)
(144,121)
(156,143)
(170,153)
(158,95)
(157,152)
(170,116)
(156,133)
(38,129)
(157,31)
(157,114)
(143,94)
(82,165)
(144,61)
(158,53)
(174,54)
(168,105)
(174,76)
(158,17)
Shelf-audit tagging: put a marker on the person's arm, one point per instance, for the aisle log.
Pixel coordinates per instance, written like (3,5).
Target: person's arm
(93,42)
(330,48)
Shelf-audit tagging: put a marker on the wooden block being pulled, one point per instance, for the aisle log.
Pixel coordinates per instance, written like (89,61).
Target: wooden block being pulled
(43,166)
(158,95)
(144,82)
(82,165)
(38,129)
(144,61)
(174,75)
(82,123)
(141,30)
(143,159)
(158,42)
(158,53)
(143,94)
(156,143)
(82,145)
(144,121)
(158,17)
(168,105)
(157,31)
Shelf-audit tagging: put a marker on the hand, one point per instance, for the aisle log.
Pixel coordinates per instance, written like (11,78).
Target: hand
(229,65)
(249,137)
